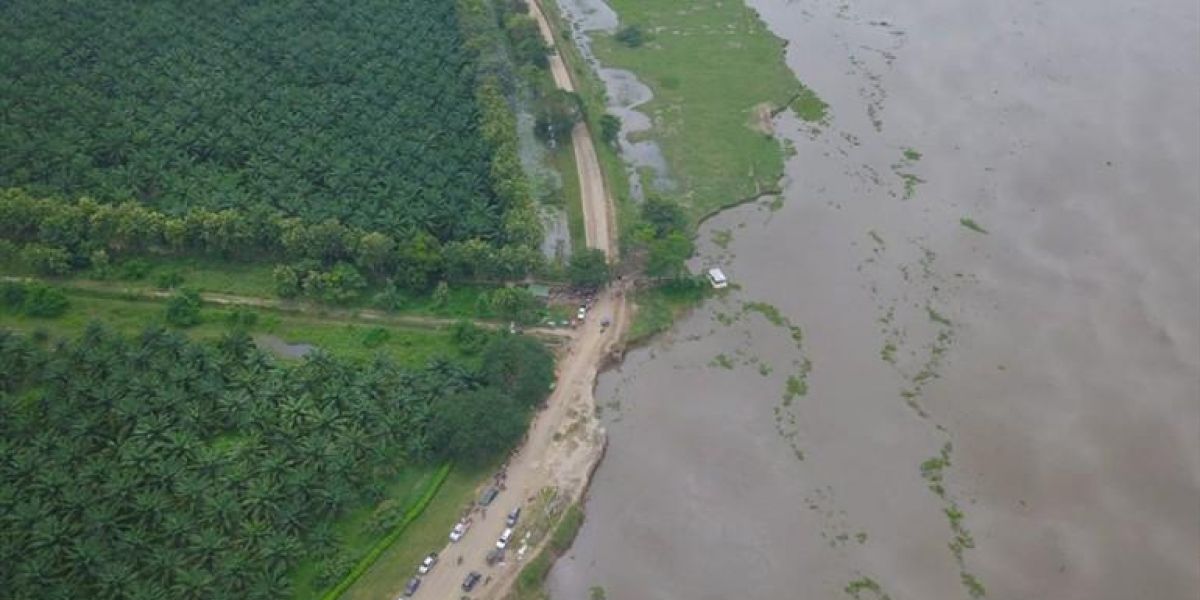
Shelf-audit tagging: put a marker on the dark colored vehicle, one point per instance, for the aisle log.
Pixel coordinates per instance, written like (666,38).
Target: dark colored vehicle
(513,516)
(411,587)
(472,578)
(488,495)
(494,556)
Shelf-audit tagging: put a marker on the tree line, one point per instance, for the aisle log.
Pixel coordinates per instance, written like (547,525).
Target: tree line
(154,467)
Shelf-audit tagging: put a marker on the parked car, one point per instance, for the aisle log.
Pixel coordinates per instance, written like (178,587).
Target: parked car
(411,587)
(427,564)
(460,529)
(513,516)
(488,495)
(472,578)
(502,543)
(494,556)
(582,314)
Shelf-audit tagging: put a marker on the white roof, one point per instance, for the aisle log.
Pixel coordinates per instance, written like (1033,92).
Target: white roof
(716,274)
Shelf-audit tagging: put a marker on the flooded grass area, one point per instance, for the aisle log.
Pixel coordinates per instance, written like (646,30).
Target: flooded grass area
(709,65)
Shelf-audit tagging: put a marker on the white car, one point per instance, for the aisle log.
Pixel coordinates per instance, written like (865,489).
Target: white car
(460,529)
(427,564)
(582,314)
(502,543)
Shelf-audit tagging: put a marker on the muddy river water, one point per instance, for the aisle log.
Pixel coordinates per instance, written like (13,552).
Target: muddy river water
(983,285)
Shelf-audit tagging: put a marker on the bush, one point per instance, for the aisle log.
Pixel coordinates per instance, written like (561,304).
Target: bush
(610,129)
(242,319)
(631,36)
(376,337)
(588,269)
(44,301)
(183,309)
(168,280)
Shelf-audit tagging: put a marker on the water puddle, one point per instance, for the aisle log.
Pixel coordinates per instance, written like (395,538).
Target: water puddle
(625,94)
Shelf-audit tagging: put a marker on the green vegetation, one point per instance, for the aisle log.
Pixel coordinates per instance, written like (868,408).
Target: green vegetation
(588,269)
(658,307)
(970,223)
(796,386)
(722,361)
(363,111)
(32,300)
(865,585)
(911,155)
(209,470)
(377,550)
(716,73)
(183,309)
(531,577)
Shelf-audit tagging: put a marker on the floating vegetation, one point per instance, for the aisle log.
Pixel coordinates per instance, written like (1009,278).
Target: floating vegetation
(721,361)
(970,223)
(771,313)
(865,585)
(911,155)
(888,353)
(910,184)
(722,237)
(937,317)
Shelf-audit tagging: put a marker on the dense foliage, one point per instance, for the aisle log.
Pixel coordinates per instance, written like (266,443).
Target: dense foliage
(361,110)
(156,468)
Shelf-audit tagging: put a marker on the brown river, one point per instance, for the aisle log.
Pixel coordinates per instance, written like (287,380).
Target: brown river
(963,356)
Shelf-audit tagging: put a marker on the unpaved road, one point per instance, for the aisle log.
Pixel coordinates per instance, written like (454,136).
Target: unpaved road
(565,440)
(598,232)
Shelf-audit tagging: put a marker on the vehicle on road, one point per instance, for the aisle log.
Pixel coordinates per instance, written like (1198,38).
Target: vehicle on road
(460,529)
(410,588)
(502,543)
(427,564)
(488,495)
(472,578)
(582,314)
(513,515)
(494,556)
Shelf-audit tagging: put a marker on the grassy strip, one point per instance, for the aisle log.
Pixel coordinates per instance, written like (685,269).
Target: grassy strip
(563,160)
(426,534)
(377,550)
(131,314)
(533,575)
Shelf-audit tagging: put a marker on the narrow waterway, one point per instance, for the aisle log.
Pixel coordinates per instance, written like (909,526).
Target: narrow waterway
(992,250)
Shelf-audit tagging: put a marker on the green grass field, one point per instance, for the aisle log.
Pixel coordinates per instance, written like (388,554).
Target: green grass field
(713,67)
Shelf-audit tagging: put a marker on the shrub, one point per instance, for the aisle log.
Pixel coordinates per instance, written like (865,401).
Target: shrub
(183,309)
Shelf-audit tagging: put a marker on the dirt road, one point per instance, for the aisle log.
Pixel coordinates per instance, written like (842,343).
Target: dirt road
(598,231)
(565,441)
